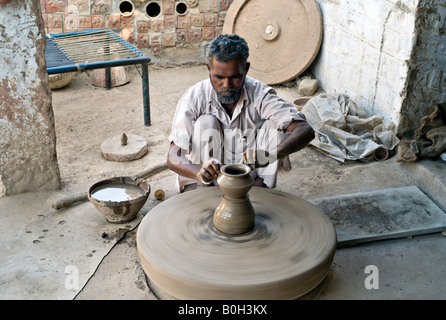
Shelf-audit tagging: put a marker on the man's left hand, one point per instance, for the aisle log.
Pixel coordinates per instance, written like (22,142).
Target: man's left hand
(258,158)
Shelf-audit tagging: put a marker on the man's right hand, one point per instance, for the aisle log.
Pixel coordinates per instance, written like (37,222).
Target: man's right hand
(209,171)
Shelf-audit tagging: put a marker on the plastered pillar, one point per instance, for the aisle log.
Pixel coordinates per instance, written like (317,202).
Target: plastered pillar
(28,160)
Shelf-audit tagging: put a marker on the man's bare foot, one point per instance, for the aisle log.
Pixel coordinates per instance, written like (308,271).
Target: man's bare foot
(258,182)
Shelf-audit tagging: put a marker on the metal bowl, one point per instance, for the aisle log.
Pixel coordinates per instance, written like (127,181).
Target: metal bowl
(119,199)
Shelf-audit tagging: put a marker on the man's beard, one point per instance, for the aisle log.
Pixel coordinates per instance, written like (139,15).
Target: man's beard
(231,98)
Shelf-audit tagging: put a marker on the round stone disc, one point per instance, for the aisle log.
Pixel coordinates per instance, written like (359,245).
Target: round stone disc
(286,255)
(136,147)
(284,36)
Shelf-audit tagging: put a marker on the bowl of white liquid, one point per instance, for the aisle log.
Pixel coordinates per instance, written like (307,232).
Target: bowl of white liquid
(119,199)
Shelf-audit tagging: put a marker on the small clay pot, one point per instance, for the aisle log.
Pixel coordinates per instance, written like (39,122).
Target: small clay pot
(234,180)
(235,214)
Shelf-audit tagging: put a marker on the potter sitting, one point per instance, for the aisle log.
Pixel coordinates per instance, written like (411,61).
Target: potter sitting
(233,118)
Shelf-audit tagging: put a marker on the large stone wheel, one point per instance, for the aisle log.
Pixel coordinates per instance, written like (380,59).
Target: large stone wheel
(284,36)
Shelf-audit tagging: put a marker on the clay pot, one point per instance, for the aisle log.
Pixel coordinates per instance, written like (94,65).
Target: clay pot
(381,154)
(119,77)
(235,214)
(234,180)
(299,103)
(115,209)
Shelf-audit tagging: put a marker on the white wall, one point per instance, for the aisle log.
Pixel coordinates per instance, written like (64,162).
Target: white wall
(366,51)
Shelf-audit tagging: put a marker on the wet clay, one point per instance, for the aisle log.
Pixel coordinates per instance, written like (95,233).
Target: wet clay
(287,253)
(117,192)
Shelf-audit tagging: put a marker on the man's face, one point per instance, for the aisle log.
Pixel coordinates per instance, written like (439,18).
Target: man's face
(227,79)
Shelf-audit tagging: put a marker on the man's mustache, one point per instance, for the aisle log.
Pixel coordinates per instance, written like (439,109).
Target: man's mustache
(228,90)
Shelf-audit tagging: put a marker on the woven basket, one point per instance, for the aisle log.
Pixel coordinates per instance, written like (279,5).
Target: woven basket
(60,80)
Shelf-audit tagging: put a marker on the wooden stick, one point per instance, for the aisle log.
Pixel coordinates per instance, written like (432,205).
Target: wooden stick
(67,201)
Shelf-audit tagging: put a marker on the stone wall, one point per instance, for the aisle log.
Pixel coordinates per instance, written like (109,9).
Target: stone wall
(169,31)
(28,160)
(427,72)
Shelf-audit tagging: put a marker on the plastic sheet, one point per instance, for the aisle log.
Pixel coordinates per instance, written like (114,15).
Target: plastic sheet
(344,132)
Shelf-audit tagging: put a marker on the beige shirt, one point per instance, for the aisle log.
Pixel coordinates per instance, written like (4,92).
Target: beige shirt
(257,103)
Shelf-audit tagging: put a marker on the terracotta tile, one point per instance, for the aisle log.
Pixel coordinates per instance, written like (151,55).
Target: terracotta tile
(170,21)
(224,4)
(142,26)
(85,21)
(71,21)
(53,6)
(197,20)
(143,40)
(55,20)
(155,45)
(126,21)
(195,35)
(168,39)
(221,19)
(157,25)
(210,19)
(208,6)
(78,5)
(100,6)
(168,7)
(71,9)
(98,21)
(183,22)
(208,33)
(182,35)
(114,21)
(156,49)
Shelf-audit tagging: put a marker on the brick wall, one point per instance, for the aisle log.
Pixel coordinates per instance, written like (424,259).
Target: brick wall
(155,26)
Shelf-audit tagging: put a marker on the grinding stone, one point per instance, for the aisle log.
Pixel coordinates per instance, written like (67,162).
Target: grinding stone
(113,150)
(286,255)
(284,36)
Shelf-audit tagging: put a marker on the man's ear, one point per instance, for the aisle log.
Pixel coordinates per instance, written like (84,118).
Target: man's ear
(208,66)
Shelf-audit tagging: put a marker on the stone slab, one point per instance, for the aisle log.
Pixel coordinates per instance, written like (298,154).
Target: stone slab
(383,214)
(113,150)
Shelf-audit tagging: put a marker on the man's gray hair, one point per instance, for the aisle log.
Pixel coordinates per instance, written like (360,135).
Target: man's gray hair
(228,47)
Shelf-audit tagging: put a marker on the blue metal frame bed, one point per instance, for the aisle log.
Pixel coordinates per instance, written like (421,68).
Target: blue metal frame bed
(95,49)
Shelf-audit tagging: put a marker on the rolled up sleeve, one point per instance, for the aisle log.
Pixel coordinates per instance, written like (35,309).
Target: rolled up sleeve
(279,111)
(182,125)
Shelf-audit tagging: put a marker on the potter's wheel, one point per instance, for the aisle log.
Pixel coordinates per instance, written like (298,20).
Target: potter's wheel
(287,254)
